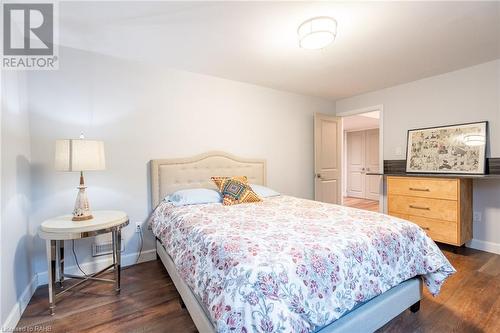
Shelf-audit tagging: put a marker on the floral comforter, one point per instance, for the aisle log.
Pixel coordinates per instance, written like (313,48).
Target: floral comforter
(292,265)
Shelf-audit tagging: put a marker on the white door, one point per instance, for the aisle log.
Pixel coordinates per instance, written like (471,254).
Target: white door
(372,183)
(362,158)
(327,158)
(355,150)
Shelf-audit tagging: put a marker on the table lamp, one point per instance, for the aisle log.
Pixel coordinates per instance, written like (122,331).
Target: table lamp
(80,155)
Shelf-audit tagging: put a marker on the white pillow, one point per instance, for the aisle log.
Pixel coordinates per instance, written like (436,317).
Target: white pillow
(194,196)
(264,192)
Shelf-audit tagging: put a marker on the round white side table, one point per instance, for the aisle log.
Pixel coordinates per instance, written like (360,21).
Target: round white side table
(56,230)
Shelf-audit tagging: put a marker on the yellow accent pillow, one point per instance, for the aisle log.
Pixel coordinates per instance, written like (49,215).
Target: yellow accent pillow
(235,190)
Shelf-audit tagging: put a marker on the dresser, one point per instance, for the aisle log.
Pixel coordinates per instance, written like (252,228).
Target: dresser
(441,206)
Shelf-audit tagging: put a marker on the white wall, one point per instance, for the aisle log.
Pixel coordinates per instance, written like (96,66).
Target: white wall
(467,95)
(144,113)
(16,270)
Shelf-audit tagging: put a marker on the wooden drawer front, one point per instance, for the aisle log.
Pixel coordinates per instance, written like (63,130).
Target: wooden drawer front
(431,208)
(423,187)
(438,230)
(401,216)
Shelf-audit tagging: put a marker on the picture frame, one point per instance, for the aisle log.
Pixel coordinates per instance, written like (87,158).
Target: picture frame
(452,149)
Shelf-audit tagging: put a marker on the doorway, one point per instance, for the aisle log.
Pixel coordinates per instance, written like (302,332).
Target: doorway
(362,160)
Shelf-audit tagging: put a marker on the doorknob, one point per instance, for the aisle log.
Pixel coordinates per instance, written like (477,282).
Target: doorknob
(318,175)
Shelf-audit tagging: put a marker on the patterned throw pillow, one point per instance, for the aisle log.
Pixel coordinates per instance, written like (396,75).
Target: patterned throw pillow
(235,190)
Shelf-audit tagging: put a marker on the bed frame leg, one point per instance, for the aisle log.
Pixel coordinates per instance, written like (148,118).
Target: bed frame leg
(181,302)
(415,307)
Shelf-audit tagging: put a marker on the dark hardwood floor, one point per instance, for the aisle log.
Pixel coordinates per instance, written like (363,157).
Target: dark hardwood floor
(148,302)
(469,302)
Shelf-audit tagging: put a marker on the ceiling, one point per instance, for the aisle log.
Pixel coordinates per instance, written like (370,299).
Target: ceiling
(379,44)
(361,121)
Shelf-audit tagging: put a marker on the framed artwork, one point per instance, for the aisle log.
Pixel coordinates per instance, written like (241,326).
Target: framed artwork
(456,149)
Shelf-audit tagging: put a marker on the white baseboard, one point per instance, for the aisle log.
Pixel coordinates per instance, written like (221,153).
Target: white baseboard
(41,279)
(484,246)
(17,310)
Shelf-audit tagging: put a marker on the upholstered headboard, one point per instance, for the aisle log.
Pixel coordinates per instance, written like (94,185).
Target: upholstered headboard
(170,175)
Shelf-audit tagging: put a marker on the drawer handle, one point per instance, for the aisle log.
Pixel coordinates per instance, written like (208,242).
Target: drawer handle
(419,207)
(419,189)
(426,228)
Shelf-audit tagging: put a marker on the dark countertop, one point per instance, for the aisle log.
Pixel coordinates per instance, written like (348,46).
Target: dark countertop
(435,175)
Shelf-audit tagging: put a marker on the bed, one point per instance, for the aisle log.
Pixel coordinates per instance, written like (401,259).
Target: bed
(239,269)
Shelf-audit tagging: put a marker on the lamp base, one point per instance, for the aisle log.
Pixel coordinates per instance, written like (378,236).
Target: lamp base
(82,218)
(82,208)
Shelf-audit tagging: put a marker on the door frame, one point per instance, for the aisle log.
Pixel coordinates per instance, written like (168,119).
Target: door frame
(353,112)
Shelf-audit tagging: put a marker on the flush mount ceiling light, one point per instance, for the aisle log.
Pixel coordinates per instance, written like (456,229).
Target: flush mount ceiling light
(317,32)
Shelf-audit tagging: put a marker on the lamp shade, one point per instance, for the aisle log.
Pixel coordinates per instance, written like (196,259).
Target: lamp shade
(79,155)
